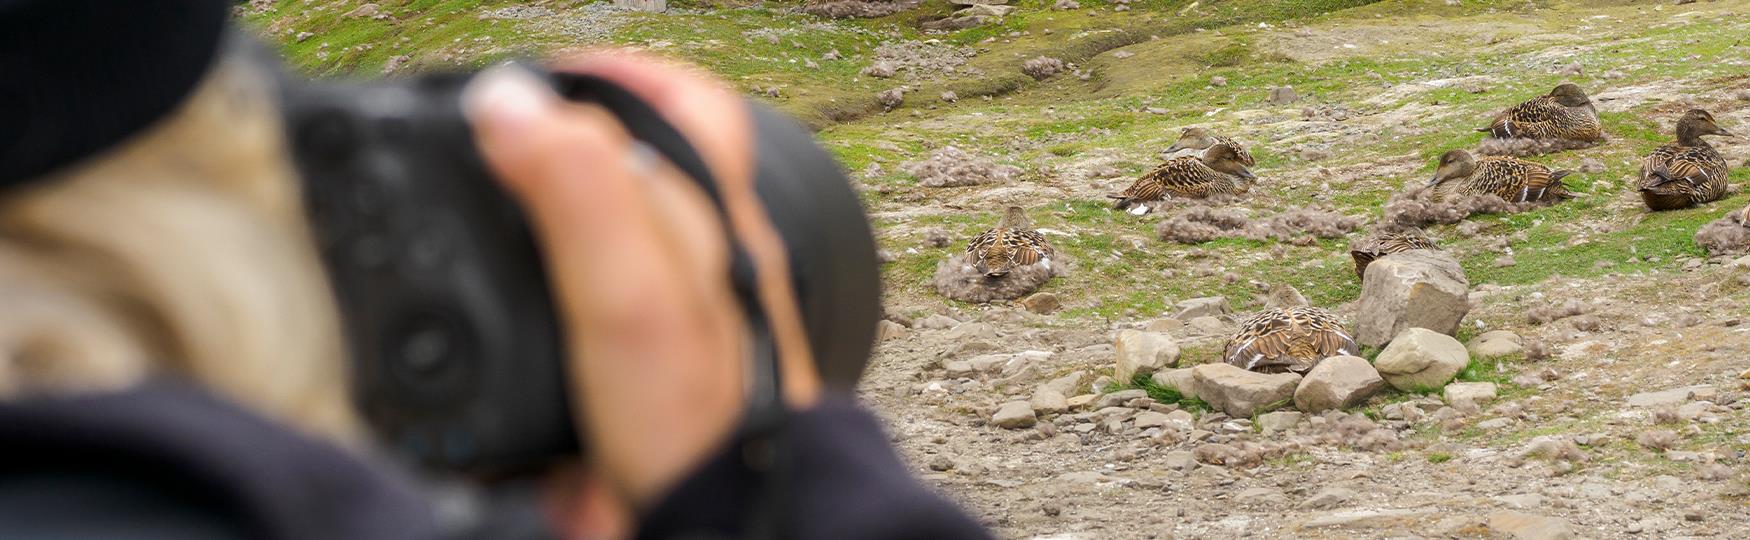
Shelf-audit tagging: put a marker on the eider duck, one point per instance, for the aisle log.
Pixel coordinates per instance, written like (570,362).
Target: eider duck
(1689,171)
(1564,113)
(1289,336)
(1512,179)
(1201,139)
(1218,170)
(1011,244)
(1383,243)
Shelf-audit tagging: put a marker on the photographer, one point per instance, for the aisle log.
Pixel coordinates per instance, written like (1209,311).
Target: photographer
(172,363)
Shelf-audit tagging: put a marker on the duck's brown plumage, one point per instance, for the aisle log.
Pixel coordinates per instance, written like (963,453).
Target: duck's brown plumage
(1686,172)
(1218,171)
(1565,113)
(1289,339)
(1386,243)
(1011,244)
(1512,179)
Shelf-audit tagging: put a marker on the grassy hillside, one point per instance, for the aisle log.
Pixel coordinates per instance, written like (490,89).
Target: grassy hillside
(1387,87)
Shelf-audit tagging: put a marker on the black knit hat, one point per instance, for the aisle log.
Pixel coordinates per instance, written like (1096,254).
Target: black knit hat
(79,76)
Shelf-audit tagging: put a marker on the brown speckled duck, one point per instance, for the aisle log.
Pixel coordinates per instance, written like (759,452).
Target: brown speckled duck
(1383,243)
(1564,113)
(1012,243)
(1689,171)
(1289,336)
(1512,179)
(1201,139)
(1218,171)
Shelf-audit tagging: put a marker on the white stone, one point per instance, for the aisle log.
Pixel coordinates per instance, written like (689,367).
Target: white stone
(1143,353)
(1420,359)
(1209,306)
(1414,289)
(1241,393)
(1177,379)
(1014,415)
(1473,392)
(1338,382)
(1275,422)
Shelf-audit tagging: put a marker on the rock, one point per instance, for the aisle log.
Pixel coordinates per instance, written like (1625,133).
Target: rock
(1328,498)
(937,322)
(1143,353)
(890,330)
(890,98)
(1210,326)
(1367,518)
(1067,384)
(1523,501)
(364,11)
(1496,343)
(1413,289)
(1047,400)
(1338,382)
(1472,392)
(1176,379)
(1122,54)
(1077,402)
(1148,419)
(1420,359)
(950,96)
(1273,423)
(1211,306)
(1014,415)
(1241,393)
(941,463)
(1041,303)
(1522,526)
(1182,460)
(1591,166)
(985,10)
(1119,398)
(1218,81)
(1283,95)
(971,331)
(880,70)
(1167,325)
(1666,398)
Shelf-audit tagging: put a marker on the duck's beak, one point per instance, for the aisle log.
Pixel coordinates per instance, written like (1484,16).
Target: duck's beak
(1174,148)
(1434,180)
(1723,133)
(1247,174)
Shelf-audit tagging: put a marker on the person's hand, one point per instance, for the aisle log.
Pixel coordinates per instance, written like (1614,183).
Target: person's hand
(638,266)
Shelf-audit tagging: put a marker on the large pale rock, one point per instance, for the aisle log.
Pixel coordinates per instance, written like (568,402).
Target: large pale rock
(1522,526)
(1180,380)
(1119,398)
(985,10)
(1143,353)
(1209,306)
(1472,392)
(1420,359)
(1338,382)
(1047,400)
(1014,415)
(1415,289)
(1241,393)
(1041,303)
(1496,343)
(1279,421)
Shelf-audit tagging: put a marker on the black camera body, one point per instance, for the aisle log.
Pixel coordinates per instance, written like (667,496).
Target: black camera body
(458,359)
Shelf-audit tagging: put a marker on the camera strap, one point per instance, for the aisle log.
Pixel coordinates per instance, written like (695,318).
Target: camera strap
(759,438)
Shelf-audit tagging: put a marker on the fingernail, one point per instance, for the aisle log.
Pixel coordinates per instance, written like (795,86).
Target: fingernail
(506,99)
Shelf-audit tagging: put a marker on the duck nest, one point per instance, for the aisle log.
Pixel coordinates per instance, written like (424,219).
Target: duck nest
(1199,224)
(1418,207)
(1725,236)
(953,167)
(956,279)
(1518,147)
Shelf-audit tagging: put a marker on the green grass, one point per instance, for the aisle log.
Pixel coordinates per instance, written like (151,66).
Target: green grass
(1162,394)
(1439,457)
